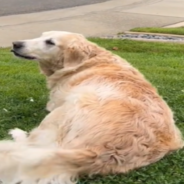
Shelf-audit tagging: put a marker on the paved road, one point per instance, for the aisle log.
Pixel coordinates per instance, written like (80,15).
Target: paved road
(10,7)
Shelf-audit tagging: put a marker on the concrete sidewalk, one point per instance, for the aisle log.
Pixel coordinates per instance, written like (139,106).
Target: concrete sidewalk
(101,19)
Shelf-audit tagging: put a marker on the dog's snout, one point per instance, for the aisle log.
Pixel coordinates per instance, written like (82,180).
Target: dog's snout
(18,45)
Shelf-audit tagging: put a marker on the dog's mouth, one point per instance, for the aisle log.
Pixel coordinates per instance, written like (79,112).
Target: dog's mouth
(23,56)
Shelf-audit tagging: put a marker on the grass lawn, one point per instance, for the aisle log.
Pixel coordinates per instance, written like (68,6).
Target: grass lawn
(23,96)
(176,31)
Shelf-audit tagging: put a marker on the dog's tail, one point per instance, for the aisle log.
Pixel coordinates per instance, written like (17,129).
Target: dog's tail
(40,163)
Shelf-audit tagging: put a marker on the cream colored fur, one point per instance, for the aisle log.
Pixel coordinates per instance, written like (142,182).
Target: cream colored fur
(105,117)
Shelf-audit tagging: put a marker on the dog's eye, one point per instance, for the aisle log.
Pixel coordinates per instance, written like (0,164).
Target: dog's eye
(49,42)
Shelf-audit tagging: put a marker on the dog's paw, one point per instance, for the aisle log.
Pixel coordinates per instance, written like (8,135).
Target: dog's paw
(18,134)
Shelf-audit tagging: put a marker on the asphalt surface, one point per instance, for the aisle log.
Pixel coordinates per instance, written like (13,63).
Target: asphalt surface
(11,7)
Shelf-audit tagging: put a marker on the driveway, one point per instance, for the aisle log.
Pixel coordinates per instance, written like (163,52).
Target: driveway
(102,19)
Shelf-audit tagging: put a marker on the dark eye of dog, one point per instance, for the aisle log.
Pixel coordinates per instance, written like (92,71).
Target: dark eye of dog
(49,42)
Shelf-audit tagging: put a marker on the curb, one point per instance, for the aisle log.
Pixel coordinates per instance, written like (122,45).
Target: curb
(118,36)
(158,34)
(142,39)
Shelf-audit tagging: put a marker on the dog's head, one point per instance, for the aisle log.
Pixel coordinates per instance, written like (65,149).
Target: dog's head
(55,50)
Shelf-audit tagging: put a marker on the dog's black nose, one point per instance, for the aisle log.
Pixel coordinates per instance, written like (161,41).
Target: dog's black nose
(18,45)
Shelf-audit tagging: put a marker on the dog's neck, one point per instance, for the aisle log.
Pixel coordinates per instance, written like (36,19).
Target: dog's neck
(66,73)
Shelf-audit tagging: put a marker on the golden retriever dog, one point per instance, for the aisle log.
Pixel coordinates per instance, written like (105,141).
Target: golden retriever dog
(105,117)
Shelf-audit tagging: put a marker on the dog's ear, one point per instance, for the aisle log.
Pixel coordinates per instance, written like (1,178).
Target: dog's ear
(77,52)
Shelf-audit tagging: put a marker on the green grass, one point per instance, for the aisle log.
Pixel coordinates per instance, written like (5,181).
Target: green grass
(176,31)
(162,64)
(20,82)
